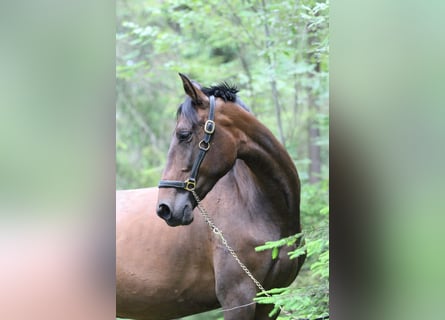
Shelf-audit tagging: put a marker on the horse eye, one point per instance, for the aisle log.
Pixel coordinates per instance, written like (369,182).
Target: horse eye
(184,135)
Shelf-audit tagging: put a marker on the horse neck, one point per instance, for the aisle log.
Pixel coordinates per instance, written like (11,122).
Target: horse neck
(270,164)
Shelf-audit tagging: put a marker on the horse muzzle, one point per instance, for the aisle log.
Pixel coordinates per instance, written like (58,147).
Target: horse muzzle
(176,213)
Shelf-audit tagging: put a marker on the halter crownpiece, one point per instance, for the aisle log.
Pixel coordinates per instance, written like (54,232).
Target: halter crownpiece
(204,146)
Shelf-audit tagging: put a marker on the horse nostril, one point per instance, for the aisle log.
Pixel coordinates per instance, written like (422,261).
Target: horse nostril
(164,211)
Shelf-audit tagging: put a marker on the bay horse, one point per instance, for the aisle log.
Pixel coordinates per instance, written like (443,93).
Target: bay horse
(249,186)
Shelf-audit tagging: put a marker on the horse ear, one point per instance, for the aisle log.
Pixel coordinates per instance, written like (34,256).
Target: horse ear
(194,91)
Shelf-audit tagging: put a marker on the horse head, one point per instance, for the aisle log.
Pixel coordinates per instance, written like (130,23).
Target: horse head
(203,149)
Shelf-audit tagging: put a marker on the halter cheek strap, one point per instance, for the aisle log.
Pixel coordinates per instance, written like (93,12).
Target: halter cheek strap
(204,146)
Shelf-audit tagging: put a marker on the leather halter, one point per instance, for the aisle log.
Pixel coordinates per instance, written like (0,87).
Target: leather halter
(204,146)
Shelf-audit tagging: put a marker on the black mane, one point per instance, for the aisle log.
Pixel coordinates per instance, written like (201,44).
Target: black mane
(224,90)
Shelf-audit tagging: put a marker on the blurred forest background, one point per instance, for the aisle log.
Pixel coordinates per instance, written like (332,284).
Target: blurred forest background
(276,52)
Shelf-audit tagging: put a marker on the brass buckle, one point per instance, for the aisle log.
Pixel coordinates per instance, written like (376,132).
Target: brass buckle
(190,185)
(204,146)
(209,127)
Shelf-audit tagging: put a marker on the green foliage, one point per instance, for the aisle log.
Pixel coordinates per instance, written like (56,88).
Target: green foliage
(275,245)
(310,300)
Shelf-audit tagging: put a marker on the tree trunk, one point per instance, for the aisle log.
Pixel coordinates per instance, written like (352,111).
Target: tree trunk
(313,136)
(273,83)
(314,153)
(313,127)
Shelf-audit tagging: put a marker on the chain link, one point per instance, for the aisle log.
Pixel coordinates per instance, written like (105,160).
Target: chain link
(219,233)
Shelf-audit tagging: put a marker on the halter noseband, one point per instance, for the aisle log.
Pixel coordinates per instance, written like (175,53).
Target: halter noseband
(204,146)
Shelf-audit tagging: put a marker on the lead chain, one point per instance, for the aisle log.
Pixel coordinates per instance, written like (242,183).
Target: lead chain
(218,232)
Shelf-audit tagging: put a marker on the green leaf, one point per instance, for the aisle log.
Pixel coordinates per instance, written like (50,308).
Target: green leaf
(298,252)
(275,252)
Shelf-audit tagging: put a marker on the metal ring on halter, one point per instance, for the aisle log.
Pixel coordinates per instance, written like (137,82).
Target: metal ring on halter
(189,185)
(203,145)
